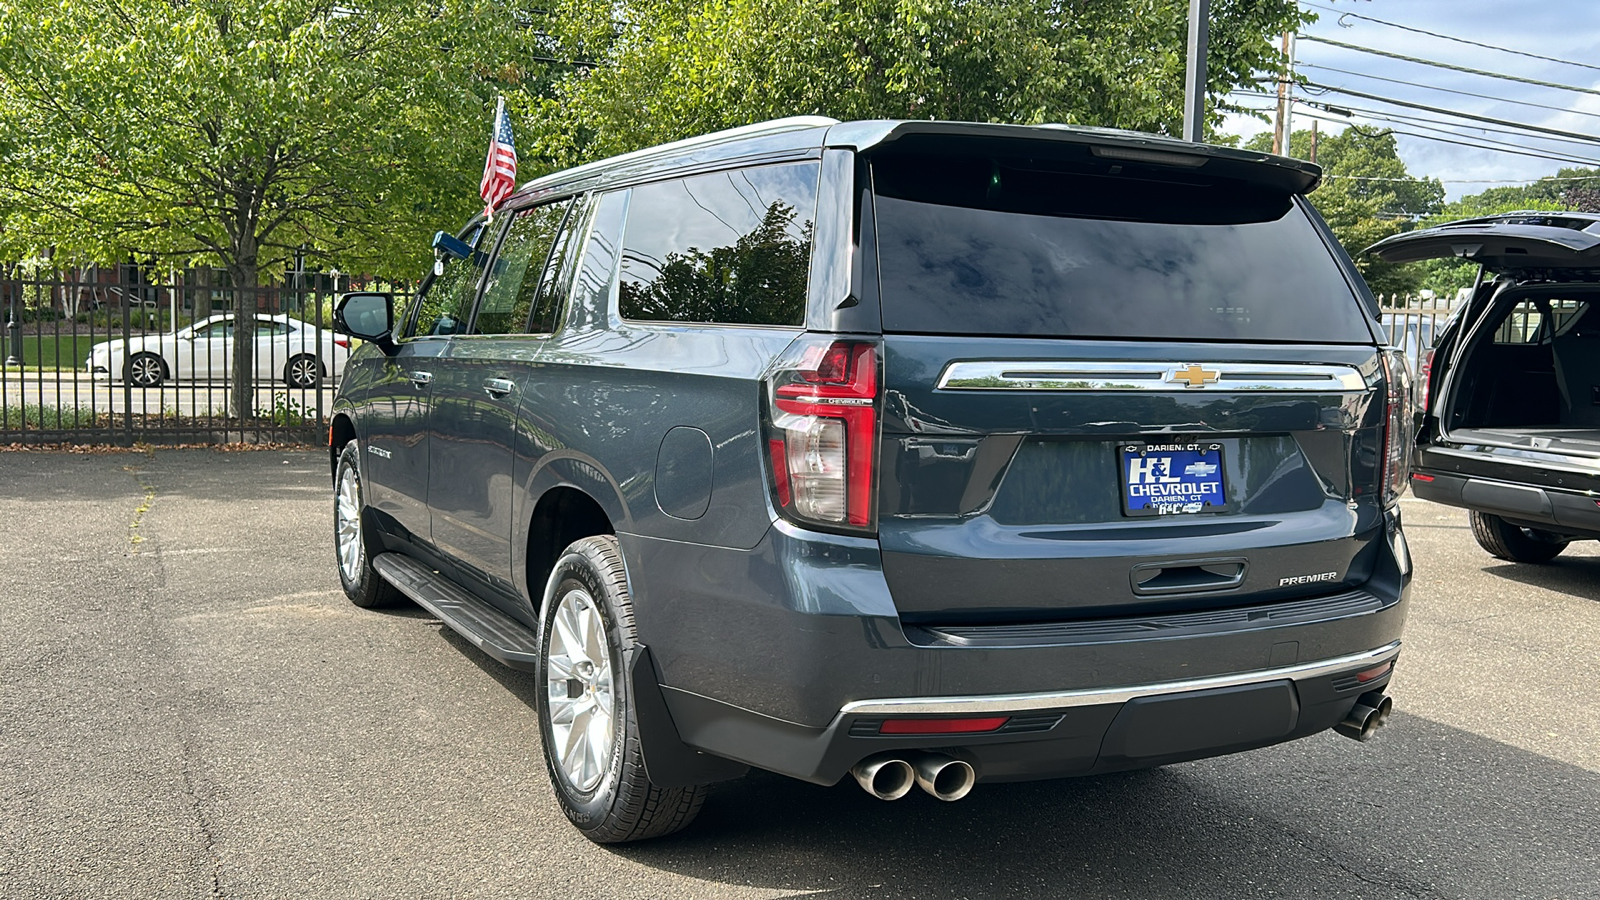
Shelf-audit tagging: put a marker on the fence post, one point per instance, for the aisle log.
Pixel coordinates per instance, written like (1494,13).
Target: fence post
(127,344)
(14,329)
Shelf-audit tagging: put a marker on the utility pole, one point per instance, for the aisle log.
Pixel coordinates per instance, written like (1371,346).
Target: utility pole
(1281,131)
(1313,140)
(1194,76)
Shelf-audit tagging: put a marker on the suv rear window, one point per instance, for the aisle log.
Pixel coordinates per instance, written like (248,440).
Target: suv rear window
(1013,247)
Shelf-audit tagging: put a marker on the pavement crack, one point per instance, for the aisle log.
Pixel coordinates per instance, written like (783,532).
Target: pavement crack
(135,535)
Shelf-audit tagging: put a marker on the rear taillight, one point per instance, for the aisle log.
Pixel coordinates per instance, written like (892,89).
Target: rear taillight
(343,342)
(823,430)
(1397,426)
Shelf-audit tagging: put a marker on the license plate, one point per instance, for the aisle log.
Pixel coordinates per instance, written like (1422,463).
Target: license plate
(1171,479)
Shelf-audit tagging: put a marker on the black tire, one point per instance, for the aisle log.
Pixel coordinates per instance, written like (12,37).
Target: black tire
(144,370)
(623,805)
(1513,542)
(364,586)
(303,371)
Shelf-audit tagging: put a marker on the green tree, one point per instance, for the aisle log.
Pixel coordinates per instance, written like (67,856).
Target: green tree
(1366,195)
(232,133)
(684,67)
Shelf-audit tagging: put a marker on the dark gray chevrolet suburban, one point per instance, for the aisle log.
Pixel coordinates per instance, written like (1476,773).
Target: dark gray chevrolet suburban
(928,453)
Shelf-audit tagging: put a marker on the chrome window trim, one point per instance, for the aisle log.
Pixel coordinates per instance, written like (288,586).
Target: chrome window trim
(1021,703)
(1099,375)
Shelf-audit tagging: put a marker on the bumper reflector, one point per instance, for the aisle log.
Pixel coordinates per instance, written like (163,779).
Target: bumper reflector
(942,726)
(1418,476)
(1375,673)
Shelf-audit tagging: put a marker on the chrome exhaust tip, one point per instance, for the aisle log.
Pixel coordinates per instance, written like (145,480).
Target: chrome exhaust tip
(884,777)
(945,777)
(1370,713)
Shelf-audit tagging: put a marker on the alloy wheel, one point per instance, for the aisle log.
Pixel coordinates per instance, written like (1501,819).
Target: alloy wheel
(145,371)
(347,524)
(581,697)
(304,372)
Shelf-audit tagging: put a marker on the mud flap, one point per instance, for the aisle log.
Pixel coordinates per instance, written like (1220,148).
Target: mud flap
(668,761)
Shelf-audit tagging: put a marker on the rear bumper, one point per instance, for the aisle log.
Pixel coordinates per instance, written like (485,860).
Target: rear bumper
(790,655)
(1064,734)
(1574,512)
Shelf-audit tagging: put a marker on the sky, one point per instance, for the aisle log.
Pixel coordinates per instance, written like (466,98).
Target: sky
(1563,29)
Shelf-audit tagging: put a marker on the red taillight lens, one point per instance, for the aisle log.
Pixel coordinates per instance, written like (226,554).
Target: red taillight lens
(824,431)
(943,726)
(343,342)
(1397,436)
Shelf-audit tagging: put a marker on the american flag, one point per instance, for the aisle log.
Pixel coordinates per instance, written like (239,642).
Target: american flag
(500,167)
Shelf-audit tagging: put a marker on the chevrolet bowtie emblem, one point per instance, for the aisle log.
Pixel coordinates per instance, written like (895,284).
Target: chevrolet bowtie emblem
(1194,376)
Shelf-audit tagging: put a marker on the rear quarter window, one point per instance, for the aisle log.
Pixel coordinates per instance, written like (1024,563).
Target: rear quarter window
(728,247)
(1019,247)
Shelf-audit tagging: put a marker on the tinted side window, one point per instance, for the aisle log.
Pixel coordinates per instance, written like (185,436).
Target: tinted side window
(556,283)
(731,247)
(443,303)
(514,276)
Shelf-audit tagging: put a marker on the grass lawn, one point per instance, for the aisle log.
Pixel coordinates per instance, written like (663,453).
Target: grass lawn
(50,351)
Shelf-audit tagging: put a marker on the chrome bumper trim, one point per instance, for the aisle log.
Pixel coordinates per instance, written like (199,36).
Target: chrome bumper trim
(1116,375)
(1020,703)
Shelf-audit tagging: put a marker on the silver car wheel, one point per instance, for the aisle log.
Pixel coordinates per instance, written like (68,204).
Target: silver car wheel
(144,370)
(347,524)
(304,372)
(581,700)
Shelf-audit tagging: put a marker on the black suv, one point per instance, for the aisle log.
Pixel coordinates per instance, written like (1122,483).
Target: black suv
(1510,424)
(925,452)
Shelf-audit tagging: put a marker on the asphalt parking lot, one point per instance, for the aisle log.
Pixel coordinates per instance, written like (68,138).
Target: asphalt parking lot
(190,708)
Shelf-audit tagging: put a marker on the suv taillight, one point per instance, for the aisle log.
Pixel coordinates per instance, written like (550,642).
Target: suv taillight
(822,432)
(1397,435)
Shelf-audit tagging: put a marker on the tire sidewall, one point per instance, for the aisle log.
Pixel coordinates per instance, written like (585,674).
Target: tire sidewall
(579,568)
(350,458)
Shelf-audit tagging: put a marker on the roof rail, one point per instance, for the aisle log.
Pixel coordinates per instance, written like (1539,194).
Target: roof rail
(757,129)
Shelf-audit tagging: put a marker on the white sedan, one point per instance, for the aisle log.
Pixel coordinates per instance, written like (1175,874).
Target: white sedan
(286,349)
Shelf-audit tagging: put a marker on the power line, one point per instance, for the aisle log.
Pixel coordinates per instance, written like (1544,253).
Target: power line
(1430,87)
(1473,141)
(1451,66)
(1423,121)
(1461,115)
(1516,129)
(1464,180)
(1434,34)
(1550,156)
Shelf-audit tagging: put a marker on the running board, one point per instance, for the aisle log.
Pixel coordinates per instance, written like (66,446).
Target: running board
(489,629)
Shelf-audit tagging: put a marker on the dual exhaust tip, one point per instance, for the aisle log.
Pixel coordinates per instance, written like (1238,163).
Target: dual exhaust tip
(1371,711)
(892,777)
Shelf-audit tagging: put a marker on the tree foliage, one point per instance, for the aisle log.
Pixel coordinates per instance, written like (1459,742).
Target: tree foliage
(676,68)
(1366,195)
(234,133)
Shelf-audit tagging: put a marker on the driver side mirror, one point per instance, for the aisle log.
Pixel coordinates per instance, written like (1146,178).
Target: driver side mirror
(367,315)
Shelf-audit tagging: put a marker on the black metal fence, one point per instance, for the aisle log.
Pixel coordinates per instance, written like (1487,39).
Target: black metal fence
(94,356)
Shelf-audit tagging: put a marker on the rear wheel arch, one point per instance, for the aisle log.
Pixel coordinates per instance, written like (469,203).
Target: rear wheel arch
(563,515)
(341,431)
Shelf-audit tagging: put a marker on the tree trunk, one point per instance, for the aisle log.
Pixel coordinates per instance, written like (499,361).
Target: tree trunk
(242,396)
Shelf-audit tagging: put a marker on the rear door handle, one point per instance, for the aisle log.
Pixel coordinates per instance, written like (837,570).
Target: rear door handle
(498,387)
(420,379)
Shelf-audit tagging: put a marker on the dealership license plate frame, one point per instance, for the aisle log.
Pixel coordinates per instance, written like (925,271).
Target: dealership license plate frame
(1180,455)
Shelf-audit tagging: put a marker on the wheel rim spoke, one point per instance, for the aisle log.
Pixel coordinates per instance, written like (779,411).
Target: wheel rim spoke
(347,522)
(580,696)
